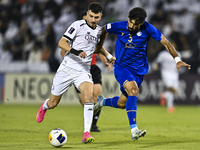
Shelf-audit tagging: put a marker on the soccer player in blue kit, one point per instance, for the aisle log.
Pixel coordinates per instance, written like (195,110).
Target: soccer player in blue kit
(131,62)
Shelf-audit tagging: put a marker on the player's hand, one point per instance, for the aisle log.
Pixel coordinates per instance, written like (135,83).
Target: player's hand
(82,54)
(182,64)
(112,60)
(109,66)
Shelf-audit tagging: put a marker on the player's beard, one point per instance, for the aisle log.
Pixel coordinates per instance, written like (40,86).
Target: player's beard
(131,30)
(92,25)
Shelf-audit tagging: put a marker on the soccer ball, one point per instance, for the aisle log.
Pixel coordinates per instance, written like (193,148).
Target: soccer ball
(57,137)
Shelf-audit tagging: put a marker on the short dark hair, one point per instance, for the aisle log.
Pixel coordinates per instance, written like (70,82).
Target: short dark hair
(138,14)
(83,14)
(95,7)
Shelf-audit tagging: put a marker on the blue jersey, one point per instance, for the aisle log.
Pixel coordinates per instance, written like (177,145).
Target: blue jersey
(131,49)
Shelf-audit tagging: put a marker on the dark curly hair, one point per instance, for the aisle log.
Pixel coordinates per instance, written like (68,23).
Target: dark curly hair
(95,7)
(138,14)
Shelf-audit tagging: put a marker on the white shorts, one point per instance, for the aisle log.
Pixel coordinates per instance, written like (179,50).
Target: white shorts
(171,80)
(64,78)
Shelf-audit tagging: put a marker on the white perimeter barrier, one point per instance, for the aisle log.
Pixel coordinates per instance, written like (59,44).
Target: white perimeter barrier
(35,88)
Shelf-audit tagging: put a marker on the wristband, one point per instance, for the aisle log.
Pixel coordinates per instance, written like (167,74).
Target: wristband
(75,52)
(177,59)
(109,56)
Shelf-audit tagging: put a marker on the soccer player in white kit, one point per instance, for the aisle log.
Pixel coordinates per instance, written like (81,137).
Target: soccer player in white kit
(170,77)
(79,42)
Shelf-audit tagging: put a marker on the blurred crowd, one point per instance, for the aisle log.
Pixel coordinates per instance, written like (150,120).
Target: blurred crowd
(30,29)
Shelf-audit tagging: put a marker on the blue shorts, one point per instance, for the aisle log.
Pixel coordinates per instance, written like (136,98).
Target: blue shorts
(123,76)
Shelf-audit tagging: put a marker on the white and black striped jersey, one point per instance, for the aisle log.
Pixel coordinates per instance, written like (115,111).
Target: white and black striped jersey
(81,37)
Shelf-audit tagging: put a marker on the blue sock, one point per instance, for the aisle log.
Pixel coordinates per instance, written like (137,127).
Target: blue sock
(131,109)
(112,102)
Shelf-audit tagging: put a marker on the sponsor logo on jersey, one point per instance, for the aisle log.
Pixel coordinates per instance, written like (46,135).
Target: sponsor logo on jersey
(130,45)
(91,39)
(71,30)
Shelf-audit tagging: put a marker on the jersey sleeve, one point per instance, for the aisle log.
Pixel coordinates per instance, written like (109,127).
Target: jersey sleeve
(111,27)
(154,33)
(71,31)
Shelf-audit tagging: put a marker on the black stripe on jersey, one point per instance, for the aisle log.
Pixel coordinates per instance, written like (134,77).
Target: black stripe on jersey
(67,37)
(82,24)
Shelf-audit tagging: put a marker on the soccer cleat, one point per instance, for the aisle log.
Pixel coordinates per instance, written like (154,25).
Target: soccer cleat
(41,113)
(95,129)
(97,106)
(162,99)
(171,109)
(138,133)
(87,138)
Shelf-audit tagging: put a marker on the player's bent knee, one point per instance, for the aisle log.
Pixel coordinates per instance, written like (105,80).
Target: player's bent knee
(122,106)
(133,92)
(89,98)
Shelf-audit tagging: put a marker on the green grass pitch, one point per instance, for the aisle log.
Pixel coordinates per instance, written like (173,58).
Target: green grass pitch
(165,131)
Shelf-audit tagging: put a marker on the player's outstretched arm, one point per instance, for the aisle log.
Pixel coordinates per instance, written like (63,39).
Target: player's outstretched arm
(101,49)
(102,39)
(104,60)
(180,64)
(111,58)
(170,48)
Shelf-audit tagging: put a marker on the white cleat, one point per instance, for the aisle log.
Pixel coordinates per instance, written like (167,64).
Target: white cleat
(138,133)
(97,106)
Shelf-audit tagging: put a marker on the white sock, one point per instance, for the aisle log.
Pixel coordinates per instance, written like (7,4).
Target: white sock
(134,129)
(45,106)
(88,116)
(169,99)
